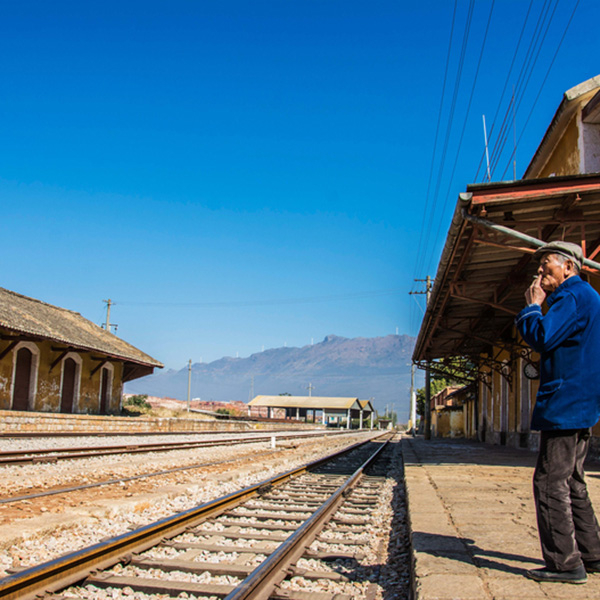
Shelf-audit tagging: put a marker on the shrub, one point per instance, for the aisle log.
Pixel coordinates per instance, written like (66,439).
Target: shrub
(139,400)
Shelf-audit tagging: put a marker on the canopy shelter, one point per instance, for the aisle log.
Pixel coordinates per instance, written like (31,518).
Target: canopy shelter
(367,412)
(333,410)
(486,264)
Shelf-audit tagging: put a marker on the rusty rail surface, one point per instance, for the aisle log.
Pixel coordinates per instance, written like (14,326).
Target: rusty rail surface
(76,566)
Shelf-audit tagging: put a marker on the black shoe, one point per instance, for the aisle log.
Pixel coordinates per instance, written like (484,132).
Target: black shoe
(577,575)
(593,566)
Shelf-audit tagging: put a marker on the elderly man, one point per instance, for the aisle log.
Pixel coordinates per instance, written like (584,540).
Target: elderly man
(567,338)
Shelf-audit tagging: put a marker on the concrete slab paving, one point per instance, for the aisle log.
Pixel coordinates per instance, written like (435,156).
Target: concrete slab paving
(473,522)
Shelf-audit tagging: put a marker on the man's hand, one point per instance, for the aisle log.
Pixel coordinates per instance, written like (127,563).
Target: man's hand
(534,293)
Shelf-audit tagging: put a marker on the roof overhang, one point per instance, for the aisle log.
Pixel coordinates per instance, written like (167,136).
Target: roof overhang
(483,273)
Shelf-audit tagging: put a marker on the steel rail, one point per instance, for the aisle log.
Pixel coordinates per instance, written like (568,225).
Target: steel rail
(14,457)
(259,585)
(75,566)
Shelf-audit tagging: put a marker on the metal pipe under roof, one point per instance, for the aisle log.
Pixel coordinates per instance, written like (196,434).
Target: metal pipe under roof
(466,197)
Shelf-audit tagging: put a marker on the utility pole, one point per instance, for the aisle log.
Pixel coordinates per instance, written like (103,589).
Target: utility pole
(428,286)
(189,384)
(109,303)
(487,155)
(413,401)
(310,388)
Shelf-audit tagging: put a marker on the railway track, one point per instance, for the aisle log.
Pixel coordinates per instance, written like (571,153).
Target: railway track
(118,481)
(309,523)
(46,455)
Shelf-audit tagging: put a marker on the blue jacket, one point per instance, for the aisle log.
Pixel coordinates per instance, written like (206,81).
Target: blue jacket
(568,340)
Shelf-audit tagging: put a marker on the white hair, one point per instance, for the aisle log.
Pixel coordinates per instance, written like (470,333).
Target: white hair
(561,258)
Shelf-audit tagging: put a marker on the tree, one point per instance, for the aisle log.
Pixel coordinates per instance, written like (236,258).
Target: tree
(437,385)
(453,371)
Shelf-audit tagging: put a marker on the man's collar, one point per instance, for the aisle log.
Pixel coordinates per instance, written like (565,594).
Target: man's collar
(567,283)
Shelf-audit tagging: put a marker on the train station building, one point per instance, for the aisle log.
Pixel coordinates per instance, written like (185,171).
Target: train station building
(329,411)
(54,360)
(487,264)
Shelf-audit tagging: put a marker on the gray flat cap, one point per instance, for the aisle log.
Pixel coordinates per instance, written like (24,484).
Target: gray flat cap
(568,249)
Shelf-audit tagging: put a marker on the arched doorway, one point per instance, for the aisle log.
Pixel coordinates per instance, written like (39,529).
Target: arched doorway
(69,385)
(23,379)
(106,379)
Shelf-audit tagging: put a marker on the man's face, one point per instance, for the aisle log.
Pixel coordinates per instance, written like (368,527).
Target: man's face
(553,272)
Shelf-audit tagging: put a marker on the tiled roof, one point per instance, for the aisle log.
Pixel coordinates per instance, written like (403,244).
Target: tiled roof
(28,316)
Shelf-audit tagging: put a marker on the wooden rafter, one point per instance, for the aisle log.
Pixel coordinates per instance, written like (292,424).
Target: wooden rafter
(8,348)
(97,368)
(60,357)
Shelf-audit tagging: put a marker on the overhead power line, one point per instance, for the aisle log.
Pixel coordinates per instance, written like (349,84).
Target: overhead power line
(506,82)
(437,131)
(461,61)
(543,84)
(524,81)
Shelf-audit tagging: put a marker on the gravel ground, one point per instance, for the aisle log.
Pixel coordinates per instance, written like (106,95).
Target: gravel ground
(28,541)
(381,573)
(44,443)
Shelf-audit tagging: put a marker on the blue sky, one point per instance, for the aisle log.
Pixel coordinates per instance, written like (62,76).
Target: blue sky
(237,175)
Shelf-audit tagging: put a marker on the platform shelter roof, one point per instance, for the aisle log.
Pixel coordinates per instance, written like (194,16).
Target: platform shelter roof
(485,269)
(366,405)
(311,402)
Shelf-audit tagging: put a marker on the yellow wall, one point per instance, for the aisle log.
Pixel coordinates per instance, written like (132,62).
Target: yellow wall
(448,423)
(47,397)
(565,158)
(5,376)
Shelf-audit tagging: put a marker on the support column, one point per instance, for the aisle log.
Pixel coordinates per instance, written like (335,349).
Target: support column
(348,420)
(361,419)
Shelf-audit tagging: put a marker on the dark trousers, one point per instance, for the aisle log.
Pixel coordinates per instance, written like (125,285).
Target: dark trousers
(568,529)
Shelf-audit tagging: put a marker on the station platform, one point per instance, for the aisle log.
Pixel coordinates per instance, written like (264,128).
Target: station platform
(473,522)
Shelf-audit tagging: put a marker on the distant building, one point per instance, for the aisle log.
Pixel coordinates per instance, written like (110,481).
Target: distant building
(54,360)
(332,411)
(452,412)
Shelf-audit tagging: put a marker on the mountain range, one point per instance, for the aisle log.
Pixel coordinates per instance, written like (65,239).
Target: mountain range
(377,368)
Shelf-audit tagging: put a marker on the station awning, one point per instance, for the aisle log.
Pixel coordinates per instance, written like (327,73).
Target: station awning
(483,272)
